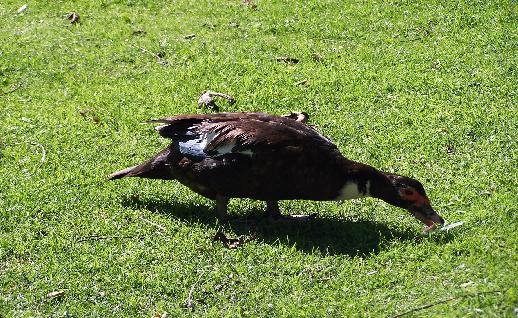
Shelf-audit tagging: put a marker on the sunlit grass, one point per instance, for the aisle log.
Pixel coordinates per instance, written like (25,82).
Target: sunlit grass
(425,89)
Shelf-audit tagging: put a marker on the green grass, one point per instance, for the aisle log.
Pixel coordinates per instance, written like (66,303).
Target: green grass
(426,89)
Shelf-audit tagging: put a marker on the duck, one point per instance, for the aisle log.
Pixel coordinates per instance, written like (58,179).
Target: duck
(270,158)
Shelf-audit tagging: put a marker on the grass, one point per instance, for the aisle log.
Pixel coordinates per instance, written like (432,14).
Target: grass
(426,89)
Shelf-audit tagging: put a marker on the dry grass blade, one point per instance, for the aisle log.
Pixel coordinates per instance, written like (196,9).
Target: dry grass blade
(445,301)
(99,238)
(189,302)
(153,223)
(159,56)
(43,152)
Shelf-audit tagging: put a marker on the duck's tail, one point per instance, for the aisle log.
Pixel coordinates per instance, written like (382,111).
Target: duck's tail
(128,172)
(154,168)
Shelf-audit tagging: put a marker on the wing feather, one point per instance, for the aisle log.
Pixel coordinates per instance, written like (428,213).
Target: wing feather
(244,132)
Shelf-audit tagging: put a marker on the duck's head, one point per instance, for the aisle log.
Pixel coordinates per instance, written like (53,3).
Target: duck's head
(409,194)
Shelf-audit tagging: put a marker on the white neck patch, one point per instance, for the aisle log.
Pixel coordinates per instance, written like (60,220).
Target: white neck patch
(350,190)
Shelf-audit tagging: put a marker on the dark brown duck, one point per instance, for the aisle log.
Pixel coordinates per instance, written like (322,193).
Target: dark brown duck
(270,158)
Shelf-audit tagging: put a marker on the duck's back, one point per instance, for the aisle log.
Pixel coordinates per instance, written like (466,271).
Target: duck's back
(252,155)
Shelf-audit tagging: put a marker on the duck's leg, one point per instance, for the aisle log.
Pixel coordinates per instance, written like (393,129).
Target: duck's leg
(273,212)
(221,207)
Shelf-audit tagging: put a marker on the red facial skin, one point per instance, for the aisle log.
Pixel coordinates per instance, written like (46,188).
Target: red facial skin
(421,203)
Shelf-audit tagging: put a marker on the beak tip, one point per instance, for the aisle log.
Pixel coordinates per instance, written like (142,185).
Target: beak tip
(429,217)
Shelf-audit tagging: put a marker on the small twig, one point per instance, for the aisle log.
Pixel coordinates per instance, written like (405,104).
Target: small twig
(445,301)
(43,152)
(230,99)
(99,238)
(188,302)
(153,223)
(155,55)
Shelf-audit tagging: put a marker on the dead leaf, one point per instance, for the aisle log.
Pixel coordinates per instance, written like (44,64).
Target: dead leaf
(475,84)
(56,294)
(73,17)
(209,25)
(139,32)
(232,243)
(12,89)
(206,99)
(287,59)
(317,57)
(160,54)
(251,4)
(298,116)
(303,83)
(466,284)
(83,112)
(450,149)
(89,114)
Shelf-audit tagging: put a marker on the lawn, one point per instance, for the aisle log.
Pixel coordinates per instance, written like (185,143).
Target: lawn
(426,89)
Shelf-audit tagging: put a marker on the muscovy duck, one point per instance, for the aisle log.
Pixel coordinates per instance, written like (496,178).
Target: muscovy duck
(270,158)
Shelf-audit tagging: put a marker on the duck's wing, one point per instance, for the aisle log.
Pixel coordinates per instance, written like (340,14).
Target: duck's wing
(243,133)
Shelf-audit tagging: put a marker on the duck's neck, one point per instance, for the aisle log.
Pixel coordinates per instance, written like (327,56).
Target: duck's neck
(365,181)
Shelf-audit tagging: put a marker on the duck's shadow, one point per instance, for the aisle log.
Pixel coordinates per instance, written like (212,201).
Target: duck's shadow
(327,235)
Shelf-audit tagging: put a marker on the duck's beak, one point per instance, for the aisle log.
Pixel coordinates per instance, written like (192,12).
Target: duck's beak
(426,214)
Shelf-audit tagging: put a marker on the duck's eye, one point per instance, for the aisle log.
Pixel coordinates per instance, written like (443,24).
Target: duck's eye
(409,192)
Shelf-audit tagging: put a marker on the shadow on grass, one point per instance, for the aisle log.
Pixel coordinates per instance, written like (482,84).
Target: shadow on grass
(327,235)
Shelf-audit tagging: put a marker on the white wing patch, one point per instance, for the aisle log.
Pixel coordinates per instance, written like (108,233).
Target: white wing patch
(225,148)
(206,139)
(351,191)
(229,148)
(197,147)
